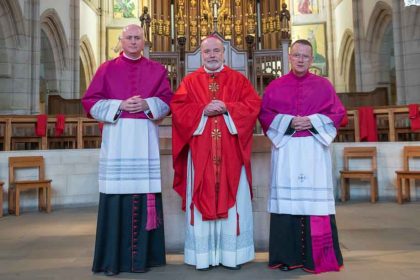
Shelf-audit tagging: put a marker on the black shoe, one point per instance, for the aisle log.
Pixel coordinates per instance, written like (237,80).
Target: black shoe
(288,268)
(237,267)
(205,269)
(284,268)
(110,273)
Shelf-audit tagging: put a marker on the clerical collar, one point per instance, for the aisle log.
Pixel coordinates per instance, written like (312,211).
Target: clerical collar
(214,71)
(300,77)
(130,57)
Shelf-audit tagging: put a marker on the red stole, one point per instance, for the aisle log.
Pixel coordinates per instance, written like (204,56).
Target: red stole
(41,125)
(217,155)
(367,125)
(344,121)
(414,116)
(60,124)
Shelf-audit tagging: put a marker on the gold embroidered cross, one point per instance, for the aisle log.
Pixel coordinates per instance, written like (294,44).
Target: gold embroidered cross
(213,87)
(215,133)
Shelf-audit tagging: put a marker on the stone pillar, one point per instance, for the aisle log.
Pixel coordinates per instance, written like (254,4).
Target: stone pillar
(399,51)
(146,50)
(285,59)
(330,43)
(31,14)
(74,49)
(103,11)
(358,42)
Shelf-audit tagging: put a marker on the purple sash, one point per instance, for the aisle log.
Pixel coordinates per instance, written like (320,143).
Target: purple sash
(322,245)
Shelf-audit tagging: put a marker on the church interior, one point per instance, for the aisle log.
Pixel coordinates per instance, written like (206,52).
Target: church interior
(369,50)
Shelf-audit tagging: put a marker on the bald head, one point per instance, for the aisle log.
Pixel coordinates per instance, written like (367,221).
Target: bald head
(211,37)
(132,27)
(132,40)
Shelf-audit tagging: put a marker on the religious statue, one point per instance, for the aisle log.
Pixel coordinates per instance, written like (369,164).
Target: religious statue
(180,22)
(271,23)
(223,11)
(250,8)
(205,9)
(204,27)
(228,28)
(145,20)
(284,22)
(238,31)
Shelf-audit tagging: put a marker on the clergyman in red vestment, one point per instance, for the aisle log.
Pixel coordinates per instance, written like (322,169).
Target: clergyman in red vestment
(214,113)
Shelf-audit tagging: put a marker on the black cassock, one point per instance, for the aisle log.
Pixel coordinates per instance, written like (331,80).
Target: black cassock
(122,242)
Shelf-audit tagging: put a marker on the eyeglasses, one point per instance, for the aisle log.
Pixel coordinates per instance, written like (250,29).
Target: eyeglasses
(304,57)
(129,38)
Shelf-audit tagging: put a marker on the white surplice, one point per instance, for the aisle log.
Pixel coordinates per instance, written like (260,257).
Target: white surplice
(301,169)
(129,160)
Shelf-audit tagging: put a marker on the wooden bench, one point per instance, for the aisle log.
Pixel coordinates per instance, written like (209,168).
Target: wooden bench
(370,175)
(16,186)
(404,176)
(1,198)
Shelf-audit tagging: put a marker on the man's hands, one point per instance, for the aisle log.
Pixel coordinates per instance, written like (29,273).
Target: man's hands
(214,108)
(134,104)
(301,123)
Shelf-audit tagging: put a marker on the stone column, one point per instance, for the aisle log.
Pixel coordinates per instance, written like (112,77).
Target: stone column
(359,38)
(31,14)
(330,50)
(74,48)
(285,59)
(398,7)
(146,50)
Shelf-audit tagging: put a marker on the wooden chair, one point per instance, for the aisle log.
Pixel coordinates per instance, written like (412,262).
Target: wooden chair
(16,186)
(1,198)
(404,176)
(369,175)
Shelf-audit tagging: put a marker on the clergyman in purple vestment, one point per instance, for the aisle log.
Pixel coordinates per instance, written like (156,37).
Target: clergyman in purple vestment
(300,114)
(129,94)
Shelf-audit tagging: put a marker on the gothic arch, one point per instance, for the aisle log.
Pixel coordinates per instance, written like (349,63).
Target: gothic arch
(346,53)
(379,21)
(11,23)
(54,30)
(87,59)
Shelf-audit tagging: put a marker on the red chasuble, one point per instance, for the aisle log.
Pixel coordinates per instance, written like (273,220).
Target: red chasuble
(217,155)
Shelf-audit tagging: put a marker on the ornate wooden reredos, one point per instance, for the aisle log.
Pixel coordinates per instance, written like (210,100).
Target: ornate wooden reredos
(234,20)
(254,32)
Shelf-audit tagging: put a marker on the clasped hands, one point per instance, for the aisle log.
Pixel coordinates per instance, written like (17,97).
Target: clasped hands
(301,123)
(214,108)
(134,104)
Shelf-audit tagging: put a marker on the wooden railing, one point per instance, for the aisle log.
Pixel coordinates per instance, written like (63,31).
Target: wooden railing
(392,123)
(18,132)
